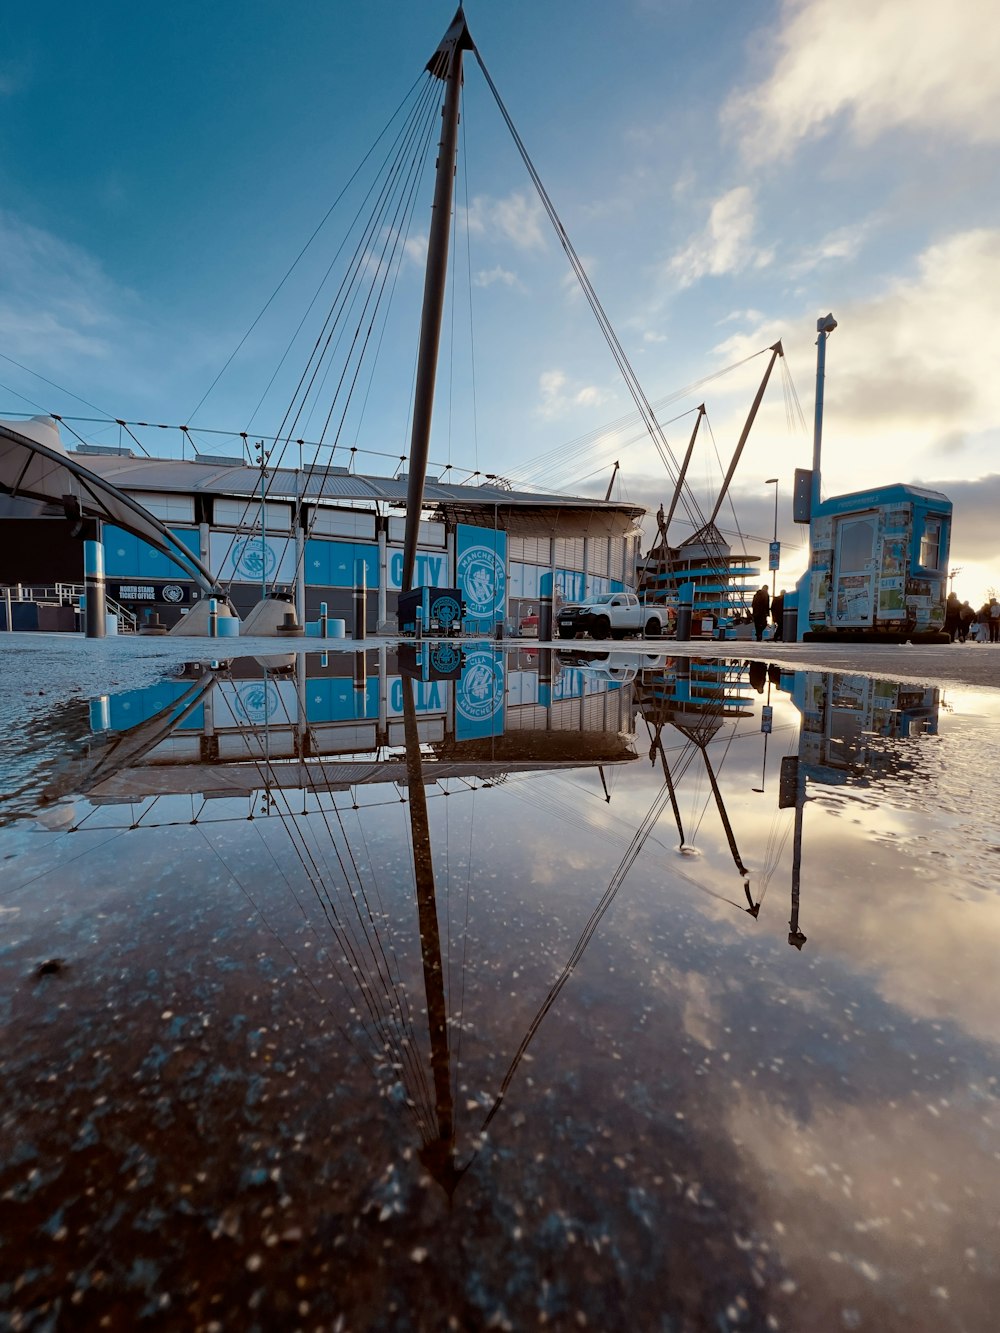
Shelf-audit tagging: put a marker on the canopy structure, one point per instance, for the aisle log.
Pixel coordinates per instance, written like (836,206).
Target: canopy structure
(31,469)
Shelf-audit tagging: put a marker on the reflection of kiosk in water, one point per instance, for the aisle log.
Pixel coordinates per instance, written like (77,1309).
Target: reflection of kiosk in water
(846,724)
(878,557)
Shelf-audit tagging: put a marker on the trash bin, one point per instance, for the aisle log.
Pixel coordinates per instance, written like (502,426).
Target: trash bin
(790,624)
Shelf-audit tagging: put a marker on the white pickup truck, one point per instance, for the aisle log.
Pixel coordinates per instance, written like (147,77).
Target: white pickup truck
(613,615)
(616,665)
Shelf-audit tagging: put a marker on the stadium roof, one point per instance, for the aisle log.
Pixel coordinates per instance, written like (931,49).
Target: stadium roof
(524,511)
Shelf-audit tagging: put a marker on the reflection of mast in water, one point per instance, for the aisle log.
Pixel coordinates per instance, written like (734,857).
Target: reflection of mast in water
(698,719)
(793,791)
(438,1154)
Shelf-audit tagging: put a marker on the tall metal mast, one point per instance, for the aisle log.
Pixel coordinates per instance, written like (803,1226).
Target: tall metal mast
(776,351)
(824,327)
(445,64)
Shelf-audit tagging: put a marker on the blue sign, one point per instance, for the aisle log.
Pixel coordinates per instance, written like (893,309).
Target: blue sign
(481,571)
(774,555)
(254,558)
(479,696)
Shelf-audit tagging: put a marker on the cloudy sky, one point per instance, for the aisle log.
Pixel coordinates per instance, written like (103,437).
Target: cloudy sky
(727,174)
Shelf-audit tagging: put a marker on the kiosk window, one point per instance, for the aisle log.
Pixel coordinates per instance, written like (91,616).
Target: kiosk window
(930,543)
(856,539)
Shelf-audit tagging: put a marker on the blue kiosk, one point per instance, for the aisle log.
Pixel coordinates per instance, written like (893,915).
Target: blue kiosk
(878,558)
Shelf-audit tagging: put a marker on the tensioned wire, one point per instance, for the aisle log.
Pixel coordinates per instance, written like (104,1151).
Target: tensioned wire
(295,262)
(658,437)
(384,1035)
(394,202)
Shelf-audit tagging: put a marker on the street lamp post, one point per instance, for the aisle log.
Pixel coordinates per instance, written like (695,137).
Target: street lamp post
(773,481)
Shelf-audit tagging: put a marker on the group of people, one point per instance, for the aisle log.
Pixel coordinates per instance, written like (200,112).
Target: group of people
(961,621)
(762,607)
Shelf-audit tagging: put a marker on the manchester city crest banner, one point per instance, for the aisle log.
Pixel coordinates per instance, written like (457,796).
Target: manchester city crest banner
(481,572)
(479,695)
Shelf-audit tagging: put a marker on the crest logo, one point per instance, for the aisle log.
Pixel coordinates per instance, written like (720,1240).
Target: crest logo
(483,579)
(258,702)
(480,691)
(446,658)
(447,611)
(253,558)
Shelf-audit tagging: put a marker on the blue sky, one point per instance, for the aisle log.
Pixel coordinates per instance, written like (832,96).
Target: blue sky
(727,173)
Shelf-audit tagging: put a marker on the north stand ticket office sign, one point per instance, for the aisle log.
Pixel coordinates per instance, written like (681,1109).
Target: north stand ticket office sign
(152,594)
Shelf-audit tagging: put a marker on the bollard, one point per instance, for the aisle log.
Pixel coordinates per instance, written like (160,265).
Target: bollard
(213,617)
(545,626)
(360,599)
(152,624)
(685,601)
(545,656)
(289,627)
(100,713)
(322,620)
(498,627)
(93,580)
(361,675)
(418,623)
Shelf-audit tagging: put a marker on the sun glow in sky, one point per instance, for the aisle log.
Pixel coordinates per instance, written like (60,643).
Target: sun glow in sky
(727,173)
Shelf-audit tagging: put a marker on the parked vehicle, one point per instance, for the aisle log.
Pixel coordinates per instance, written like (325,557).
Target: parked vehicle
(614,666)
(614,615)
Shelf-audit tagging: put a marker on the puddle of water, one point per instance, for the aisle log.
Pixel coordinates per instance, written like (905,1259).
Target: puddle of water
(388,990)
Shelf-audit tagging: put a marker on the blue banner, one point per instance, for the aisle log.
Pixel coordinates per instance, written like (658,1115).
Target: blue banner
(481,572)
(479,695)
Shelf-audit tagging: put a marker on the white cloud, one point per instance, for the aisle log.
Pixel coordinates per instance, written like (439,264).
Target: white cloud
(880,64)
(725,245)
(415,249)
(55,299)
(488,277)
(559,396)
(843,243)
(914,364)
(516,219)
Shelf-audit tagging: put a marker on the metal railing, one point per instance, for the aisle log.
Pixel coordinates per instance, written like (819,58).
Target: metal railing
(71,594)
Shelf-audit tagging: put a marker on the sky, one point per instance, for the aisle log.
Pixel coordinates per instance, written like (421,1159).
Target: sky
(727,173)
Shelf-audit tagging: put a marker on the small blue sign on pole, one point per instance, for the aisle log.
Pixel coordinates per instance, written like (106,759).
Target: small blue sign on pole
(774,555)
(766,719)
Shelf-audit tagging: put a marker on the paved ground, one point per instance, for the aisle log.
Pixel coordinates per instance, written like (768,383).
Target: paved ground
(48,667)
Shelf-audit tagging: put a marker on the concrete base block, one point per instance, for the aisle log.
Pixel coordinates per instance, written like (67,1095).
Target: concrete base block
(195,623)
(266,619)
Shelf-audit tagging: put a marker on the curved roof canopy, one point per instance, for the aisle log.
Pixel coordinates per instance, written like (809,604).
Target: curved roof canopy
(35,466)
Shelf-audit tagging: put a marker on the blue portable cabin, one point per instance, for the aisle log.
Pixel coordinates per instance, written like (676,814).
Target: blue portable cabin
(879,566)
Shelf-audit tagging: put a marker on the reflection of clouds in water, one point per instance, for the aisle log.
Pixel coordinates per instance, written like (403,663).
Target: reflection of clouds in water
(863,1197)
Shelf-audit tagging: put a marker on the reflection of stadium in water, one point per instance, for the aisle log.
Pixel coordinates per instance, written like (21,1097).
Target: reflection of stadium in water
(434,719)
(272,730)
(331,721)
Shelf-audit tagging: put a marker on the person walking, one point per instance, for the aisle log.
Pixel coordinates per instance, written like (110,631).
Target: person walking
(777,611)
(759,609)
(966,620)
(994,620)
(952,615)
